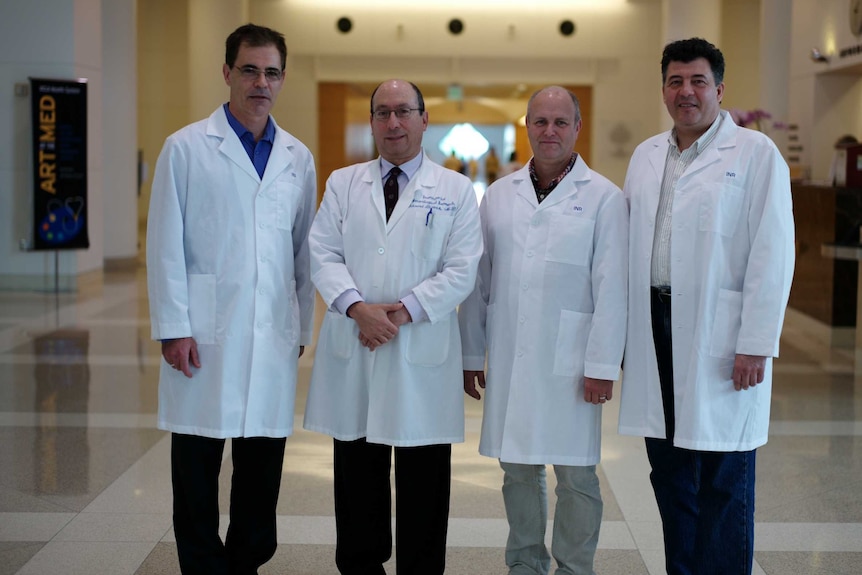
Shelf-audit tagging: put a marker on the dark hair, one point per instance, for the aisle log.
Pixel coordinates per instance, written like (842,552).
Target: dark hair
(571,94)
(254,36)
(419,98)
(686,51)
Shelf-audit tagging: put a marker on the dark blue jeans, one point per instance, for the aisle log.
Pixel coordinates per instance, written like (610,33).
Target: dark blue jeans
(706,498)
(706,501)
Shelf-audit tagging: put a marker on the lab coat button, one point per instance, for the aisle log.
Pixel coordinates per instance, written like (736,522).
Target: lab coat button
(520,354)
(381,251)
(525,286)
(522,319)
(529,253)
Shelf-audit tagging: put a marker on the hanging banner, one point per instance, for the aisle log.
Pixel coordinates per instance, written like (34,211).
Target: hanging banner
(59,111)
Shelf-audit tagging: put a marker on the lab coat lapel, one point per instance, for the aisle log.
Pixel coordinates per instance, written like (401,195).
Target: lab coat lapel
(373,179)
(280,158)
(526,192)
(658,156)
(230,146)
(724,139)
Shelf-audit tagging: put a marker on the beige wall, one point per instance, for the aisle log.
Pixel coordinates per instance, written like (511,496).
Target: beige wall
(740,44)
(163,87)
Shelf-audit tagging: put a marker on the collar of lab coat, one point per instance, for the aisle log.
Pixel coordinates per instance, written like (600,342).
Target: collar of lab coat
(568,186)
(423,181)
(280,158)
(724,139)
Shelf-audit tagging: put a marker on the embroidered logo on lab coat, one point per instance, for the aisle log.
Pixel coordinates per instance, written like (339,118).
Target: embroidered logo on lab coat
(436,203)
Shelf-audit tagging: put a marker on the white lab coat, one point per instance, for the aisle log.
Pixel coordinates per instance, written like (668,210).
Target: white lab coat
(227,264)
(549,307)
(409,391)
(731,253)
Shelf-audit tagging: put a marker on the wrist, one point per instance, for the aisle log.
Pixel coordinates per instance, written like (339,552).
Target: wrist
(352,307)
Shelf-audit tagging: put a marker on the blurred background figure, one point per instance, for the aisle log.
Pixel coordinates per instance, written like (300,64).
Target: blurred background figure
(453,163)
(513,165)
(492,166)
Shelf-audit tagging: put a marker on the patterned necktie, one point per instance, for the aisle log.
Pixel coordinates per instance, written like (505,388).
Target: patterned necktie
(390,191)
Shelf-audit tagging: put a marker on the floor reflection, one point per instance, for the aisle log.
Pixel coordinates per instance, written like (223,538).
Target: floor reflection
(62,376)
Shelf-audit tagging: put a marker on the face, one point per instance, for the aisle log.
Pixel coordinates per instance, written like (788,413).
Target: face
(398,139)
(691,96)
(251,99)
(551,126)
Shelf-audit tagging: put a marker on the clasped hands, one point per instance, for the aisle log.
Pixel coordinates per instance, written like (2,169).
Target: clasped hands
(378,322)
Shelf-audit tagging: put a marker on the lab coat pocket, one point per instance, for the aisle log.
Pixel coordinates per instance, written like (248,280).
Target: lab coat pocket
(342,336)
(572,337)
(429,234)
(428,343)
(570,240)
(720,208)
(728,321)
(202,307)
(286,198)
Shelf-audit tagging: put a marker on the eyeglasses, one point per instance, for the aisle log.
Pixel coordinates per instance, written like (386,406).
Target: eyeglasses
(383,114)
(253,73)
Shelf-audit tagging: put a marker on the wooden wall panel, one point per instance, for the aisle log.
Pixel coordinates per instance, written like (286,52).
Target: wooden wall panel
(331,130)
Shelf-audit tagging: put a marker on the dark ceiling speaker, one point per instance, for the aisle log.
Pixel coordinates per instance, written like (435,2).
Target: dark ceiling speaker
(456,26)
(344,25)
(567,27)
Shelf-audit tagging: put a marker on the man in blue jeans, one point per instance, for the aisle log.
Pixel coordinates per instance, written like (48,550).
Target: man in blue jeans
(710,263)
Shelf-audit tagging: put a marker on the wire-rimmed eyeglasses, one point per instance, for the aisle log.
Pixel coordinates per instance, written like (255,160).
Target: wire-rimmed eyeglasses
(253,73)
(383,114)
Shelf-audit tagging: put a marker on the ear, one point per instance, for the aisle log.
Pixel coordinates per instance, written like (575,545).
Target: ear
(720,90)
(225,70)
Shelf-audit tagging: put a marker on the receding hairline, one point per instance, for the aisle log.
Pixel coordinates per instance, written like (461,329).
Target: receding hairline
(555,89)
(420,101)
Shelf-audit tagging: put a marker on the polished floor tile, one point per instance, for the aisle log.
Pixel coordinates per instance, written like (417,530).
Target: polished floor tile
(85,475)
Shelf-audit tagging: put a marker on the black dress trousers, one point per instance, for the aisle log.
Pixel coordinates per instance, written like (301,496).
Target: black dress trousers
(363,507)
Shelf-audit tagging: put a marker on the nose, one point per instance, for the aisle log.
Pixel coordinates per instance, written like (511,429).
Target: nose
(392,121)
(260,80)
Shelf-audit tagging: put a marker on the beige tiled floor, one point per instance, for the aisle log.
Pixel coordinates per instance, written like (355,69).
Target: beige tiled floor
(84,474)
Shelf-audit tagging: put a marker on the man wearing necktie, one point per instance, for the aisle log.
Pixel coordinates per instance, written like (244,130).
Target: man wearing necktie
(395,247)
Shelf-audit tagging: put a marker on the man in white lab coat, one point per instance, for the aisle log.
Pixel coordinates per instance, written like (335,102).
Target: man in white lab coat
(550,310)
(231,300)
(394,250)
(710,264)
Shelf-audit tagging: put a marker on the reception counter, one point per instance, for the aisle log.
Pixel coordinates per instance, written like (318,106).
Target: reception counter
(825,287)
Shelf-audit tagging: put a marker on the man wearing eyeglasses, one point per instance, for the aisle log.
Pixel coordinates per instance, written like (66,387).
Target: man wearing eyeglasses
(231,301)
(394,250)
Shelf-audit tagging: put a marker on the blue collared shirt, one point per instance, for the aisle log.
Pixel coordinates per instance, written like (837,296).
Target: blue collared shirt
(258,152)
